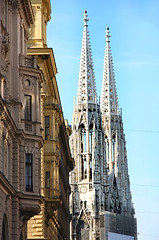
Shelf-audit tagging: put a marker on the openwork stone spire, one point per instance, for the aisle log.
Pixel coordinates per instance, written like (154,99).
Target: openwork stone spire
(86,83)
(100,188)
(109,102)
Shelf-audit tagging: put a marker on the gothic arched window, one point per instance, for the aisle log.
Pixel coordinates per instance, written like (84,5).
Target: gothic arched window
(90,137)
(83,167)
(113,149)
(83,139)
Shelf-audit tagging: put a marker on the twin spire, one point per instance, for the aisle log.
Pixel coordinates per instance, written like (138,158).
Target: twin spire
(86,84)
(109,102)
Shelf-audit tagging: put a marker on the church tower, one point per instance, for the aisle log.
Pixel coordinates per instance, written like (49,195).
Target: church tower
(87,143)
(116,155)
(100,199)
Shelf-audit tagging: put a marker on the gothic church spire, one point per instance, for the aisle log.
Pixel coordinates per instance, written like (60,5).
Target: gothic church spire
(100,187)
(86,84)
(109,102)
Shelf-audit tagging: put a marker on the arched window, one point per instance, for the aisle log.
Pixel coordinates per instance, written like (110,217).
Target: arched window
(83,167)
(90,137)
(5,235)
(83,140)
(113,149)
(107,149)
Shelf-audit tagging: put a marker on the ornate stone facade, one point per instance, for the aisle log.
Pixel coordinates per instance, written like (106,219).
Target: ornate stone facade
(56,162)
(20,122)
(100,200)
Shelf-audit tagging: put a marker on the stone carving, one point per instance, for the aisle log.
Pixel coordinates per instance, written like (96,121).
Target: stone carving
(5,44)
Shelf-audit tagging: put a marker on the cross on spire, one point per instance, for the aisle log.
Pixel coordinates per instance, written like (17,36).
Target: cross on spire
(85,19)
(107,36)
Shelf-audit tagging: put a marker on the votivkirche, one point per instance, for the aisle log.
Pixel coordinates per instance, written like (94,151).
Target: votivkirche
(100,201)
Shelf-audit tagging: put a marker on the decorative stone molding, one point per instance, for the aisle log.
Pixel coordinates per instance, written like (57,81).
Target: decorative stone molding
(29,205)
(28,82)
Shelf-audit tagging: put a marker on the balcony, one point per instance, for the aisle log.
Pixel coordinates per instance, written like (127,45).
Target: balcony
(28,61)
(53,199)
(30,205)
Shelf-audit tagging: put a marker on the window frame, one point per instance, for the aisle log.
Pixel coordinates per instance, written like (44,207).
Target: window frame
(47,128)
(29,172)
(47,179)
(27,107)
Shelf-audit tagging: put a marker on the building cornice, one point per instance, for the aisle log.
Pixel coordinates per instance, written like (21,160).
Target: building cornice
(48,7)
(28,11)
(47,54)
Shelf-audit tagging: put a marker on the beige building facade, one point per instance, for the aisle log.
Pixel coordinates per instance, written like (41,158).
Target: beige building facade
(20,125)
(53,221)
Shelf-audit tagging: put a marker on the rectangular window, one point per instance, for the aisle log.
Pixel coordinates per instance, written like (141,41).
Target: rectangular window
(47,127)
(29,172)
(27,107)
(47,179)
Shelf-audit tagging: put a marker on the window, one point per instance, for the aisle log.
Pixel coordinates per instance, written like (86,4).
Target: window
(47,127)
(82,170)
(90,165)
(113,149)
(90,139)
(47,179)
(83,167)
(29,172)
(83,140)
(5,228)
(27,107)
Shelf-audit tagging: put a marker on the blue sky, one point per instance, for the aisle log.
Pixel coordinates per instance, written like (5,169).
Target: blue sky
(134,27)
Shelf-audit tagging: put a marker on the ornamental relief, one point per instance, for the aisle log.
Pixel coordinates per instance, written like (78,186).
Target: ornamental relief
(5,46)
(27,82)
(13,3)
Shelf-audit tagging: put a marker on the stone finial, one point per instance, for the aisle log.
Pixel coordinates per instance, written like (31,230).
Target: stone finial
(107,36)
(85,19)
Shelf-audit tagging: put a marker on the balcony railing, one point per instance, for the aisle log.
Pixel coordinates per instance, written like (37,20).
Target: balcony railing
(28,61)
